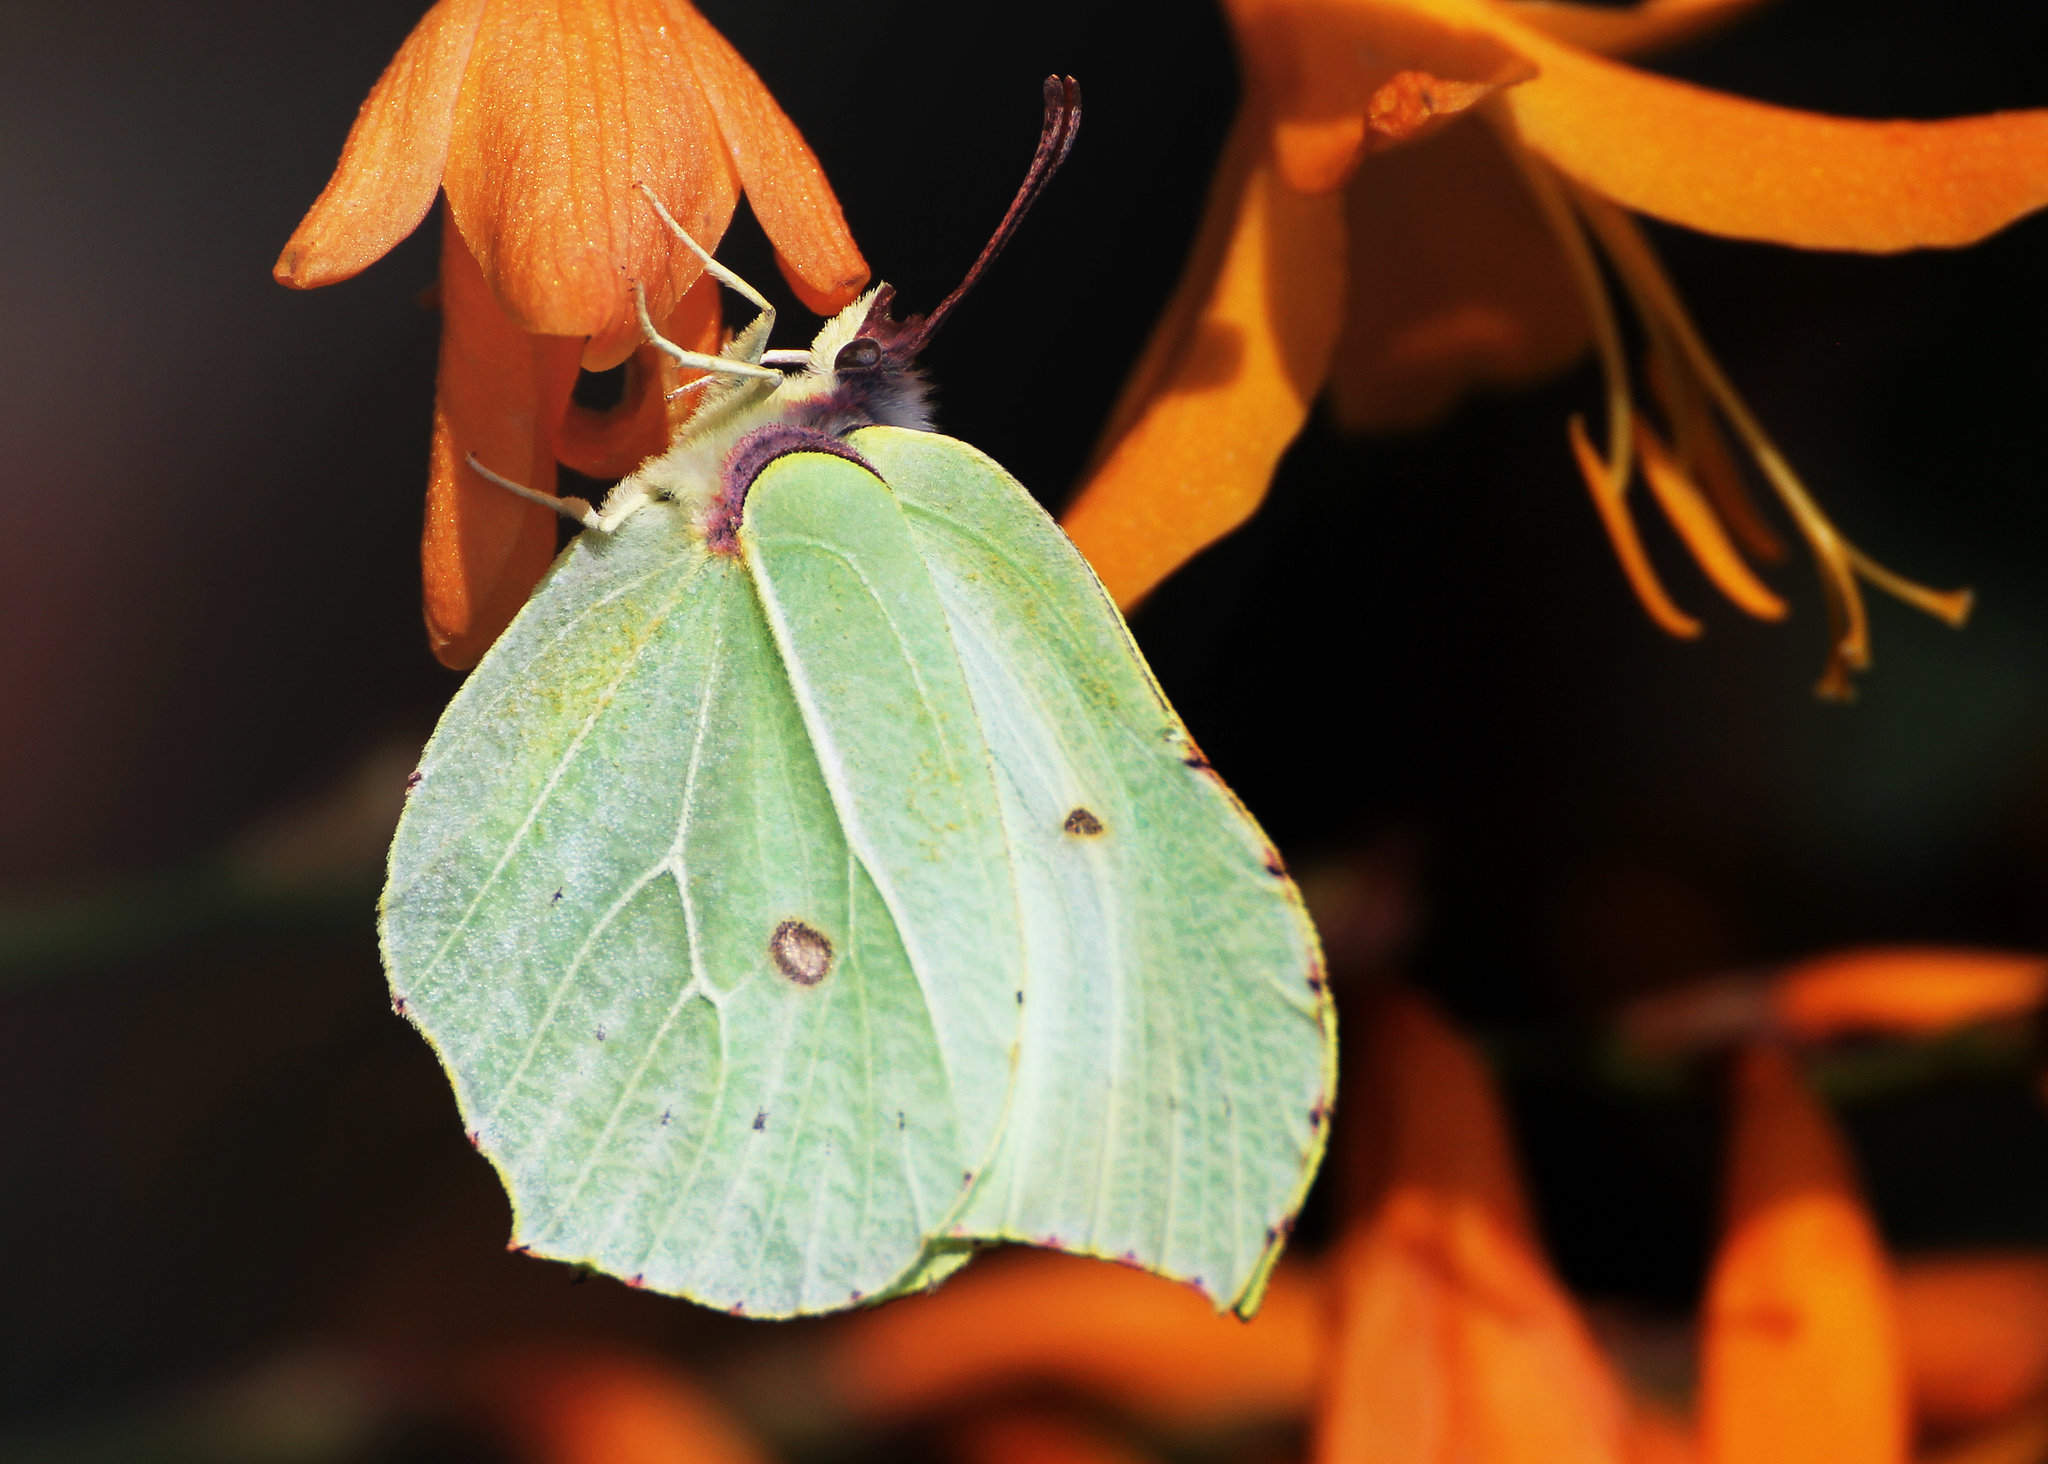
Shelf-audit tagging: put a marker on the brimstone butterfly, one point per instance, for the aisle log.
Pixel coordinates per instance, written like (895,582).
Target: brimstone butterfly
(813,884)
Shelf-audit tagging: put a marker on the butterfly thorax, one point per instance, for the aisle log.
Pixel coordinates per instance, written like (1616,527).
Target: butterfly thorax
(741,424)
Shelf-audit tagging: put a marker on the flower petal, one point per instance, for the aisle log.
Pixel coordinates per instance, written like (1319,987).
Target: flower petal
(1659,1435)
(1321,71)
(2020,1438)
(1458,283)
(612,443)
(1752,171)
(1038,1437)
(1630,30)
(498,395)
(1226,380)
(1976,1332)
(1907,991)
(788,190)
(565,109)
(573,1405)
(1152,1348)
(1801,1356)
(390,167)
(1454,1340)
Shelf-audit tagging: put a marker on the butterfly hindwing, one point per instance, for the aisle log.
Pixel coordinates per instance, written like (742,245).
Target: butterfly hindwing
(1177,1056)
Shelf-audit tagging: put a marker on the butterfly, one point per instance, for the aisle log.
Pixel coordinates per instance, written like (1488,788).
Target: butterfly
(813,885)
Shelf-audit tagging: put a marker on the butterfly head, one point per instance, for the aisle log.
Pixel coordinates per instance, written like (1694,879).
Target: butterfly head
(864,354)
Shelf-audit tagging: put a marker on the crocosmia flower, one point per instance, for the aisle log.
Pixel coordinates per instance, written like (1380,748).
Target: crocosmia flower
(540,120)
(1416,199)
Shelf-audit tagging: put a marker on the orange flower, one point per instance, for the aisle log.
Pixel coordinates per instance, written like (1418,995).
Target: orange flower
(1891,991)
(570,1404)
(1152,1348)
(1469,248)
(1453,1339)
(1976,1335)
(539,120)
(1802,1357)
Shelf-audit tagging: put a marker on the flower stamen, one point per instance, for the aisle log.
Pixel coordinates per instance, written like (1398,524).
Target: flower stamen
(1606,480)
(1692,390)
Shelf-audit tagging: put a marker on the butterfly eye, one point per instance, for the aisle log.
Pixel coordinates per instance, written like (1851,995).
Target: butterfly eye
(858,354)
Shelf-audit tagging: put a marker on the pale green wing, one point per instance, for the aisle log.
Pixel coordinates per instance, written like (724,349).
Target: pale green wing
(617,816)
(1178,1056)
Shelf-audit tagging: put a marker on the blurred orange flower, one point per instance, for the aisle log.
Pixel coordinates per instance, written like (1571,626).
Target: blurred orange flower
(1435,1331)
(1801,1350)
(1469,249)
(1905,992)
(1451,1338)
(563,1403)
(539,120)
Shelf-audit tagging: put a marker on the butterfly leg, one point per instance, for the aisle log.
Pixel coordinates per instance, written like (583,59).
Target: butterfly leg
(569,508)
(717,365)
(713,268)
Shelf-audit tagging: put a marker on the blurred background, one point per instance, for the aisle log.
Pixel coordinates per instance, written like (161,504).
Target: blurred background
(223,1159)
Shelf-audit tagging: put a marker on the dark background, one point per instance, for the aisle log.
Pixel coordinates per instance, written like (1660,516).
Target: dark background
(217,1141)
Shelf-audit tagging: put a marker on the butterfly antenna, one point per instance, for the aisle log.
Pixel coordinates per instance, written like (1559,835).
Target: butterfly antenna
(1055,141)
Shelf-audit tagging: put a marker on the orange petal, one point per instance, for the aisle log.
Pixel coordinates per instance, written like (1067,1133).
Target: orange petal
(1752,171)
(1325,74)
(1149,1346)
(788,190)
(1454,1340)
(1610,501)
(557,1406)
(1689,513)
(1457,283)
(1976,1334)
(1630,30)
(391,165)
(1039,1438)
(564,110)
(1907,991)
(499,393)
(612,443)
(1225,382)
(2019,1440)
(1658,1435)
(1801,1359)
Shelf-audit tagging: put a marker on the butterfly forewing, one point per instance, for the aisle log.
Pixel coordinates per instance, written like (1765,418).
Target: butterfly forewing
(675,1008)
